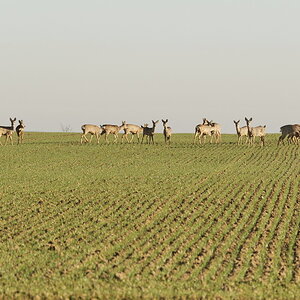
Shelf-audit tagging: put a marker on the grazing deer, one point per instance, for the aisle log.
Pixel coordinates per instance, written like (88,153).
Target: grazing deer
(215,130)
(167,131)
(149,132)
(20,131)
(8,131)
(112,129)
(259,131)
(289,130)
(241,131)
(92,130)
(134,130)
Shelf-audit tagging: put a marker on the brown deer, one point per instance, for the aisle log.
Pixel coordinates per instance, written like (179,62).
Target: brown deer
(241,131)
(290,131)
(112,129)
(92,130)
(149,132)
(167,131)
(7,131)
(215,130)
(202,130)
(134,130)
(20,131)
(258,131)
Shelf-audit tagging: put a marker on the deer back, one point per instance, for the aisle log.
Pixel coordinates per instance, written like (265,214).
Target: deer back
(93,129)
(131,128)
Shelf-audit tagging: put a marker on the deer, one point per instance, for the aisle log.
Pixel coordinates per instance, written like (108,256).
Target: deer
(112,129)
(289,130)
(134,130)
(20,131)
(8,131)
(215,130)
(167,131)
(92,130)
(149,132)
(258,131)
(241,131)
(202,130)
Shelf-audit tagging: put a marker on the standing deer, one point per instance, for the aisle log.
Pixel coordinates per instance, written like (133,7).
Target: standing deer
(202,130)
(20,131)
(167,131)
(290,131)
(199,129)
(112,129)
(215,130)
(134,130)
(8,131)
(241,131)
(149,132)
(92,130)
(258,131)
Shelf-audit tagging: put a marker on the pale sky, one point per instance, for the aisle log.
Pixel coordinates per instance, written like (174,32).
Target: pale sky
(71,62)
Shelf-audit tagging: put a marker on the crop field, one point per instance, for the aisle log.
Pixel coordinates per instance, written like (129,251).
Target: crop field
(116,221)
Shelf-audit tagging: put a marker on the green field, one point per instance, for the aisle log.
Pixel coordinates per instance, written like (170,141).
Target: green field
(153,221)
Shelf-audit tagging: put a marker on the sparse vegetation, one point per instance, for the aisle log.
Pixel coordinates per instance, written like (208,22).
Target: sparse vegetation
(138,220)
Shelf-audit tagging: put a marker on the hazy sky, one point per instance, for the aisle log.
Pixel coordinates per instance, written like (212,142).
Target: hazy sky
(72,62)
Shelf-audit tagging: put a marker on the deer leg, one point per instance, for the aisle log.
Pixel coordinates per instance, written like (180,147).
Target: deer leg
(116,137)
(195,136)
(199,138)
(97,137)
(83,136)
(129,141)
(132,135)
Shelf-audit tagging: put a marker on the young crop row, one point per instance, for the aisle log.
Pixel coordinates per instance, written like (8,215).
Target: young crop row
(182,218)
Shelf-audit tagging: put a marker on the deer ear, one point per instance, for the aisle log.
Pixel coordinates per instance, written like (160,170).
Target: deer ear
(250,119)
(167,120)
